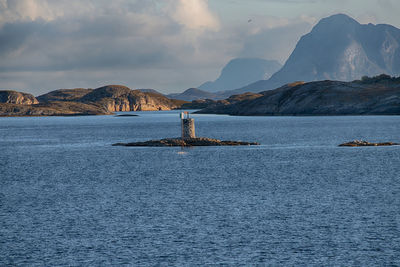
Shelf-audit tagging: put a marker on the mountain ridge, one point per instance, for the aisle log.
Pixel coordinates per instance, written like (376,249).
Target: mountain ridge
(194,94)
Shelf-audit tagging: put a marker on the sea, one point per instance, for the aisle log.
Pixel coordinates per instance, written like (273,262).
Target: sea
(70,198)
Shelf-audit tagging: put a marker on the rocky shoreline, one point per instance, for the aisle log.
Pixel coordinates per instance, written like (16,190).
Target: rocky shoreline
(189,142)
(358,143)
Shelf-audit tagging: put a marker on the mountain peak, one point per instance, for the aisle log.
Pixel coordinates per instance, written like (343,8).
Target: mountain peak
(338,22)
(340,17)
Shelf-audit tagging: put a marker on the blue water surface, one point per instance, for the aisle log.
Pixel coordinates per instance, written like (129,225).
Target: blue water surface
(69,198)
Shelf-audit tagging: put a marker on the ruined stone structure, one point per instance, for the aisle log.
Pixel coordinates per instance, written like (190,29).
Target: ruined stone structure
(188,130)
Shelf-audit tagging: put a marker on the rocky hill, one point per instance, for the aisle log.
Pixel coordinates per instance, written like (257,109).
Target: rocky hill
(114,98)
(14,97)
(240,72)
(371,96)
(121,98)
(338,48)
(79,101)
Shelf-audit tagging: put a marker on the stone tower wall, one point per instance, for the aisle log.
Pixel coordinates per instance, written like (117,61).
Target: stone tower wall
(188,130)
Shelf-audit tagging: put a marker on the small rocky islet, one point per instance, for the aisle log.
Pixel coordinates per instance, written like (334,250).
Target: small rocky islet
(186,142)
(360,143)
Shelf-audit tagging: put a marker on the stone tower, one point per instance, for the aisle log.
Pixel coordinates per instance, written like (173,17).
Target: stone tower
(188,130)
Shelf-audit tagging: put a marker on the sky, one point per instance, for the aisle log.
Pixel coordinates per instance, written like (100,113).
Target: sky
(167,45)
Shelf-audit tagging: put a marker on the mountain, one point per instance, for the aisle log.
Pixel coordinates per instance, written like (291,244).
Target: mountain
(14,97)
(193,94)
(338,48)
(240,72)
(371,96)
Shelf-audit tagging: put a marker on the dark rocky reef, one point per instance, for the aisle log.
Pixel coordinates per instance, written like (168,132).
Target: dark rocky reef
(199,141)
(380,97)
(126,115)
(357,143)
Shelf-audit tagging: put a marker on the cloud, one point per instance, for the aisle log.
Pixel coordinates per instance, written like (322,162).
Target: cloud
(194,14)
(43,41)
(165,44)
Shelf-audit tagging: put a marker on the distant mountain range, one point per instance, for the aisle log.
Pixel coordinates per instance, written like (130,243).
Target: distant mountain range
(194,94)
(240,72)
(337,48)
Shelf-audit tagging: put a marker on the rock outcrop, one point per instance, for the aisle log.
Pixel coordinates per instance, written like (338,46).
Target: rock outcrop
(371,96)
(357,143)
(187,142)
(14,97)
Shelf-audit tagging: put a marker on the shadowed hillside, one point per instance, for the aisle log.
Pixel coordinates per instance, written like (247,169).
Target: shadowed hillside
(371,96)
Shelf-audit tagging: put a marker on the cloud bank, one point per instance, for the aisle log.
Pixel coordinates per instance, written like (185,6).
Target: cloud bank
(169,45)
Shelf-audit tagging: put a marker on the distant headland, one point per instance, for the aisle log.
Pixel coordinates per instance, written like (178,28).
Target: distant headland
(68,102)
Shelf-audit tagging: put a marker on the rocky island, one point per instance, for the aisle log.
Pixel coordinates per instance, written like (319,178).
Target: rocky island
(187,142)
(357,143)
(188,138)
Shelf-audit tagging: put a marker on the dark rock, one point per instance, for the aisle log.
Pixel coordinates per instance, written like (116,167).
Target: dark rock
(126,115)
(199,141)
(357,143)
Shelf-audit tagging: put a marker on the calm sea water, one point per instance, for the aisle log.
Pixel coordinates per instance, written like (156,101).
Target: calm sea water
(68,198)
